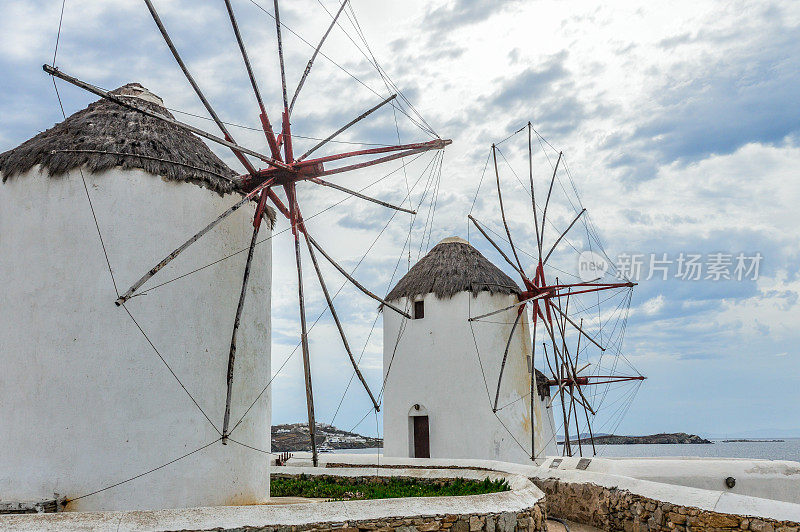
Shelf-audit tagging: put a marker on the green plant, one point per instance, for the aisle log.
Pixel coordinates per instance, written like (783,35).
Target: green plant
(330,487)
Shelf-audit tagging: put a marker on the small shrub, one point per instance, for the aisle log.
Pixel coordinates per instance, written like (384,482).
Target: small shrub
(342,488)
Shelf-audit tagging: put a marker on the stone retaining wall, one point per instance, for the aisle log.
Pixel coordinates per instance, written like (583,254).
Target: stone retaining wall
(40,507)
(532,520)
(616,509)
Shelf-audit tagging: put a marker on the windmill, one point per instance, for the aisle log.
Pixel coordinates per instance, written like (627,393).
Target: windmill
(283,170)
(554,303)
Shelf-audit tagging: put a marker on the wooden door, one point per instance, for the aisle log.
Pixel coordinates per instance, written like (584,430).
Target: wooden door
(422,446)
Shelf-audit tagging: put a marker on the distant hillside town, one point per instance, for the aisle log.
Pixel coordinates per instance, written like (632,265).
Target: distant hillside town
(294,437)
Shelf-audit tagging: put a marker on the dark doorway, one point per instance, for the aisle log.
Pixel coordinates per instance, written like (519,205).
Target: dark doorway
(422,446)
(419,310)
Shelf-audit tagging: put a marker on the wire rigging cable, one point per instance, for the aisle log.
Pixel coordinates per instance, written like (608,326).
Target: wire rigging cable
(140,475)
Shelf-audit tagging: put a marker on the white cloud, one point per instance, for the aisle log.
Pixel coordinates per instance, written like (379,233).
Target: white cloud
(653,306)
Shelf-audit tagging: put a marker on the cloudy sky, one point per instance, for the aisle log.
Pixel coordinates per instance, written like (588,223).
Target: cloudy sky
(679,124)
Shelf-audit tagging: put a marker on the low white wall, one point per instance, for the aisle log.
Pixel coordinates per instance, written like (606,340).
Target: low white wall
(768,479)
(523,496)
(705,499)
(86,402)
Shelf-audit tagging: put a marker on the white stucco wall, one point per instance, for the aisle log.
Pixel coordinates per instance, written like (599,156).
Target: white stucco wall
(86,402)
(435,365)
(769,479)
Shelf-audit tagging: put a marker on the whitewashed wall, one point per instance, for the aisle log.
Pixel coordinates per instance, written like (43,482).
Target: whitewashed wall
(435,365)
(86,402)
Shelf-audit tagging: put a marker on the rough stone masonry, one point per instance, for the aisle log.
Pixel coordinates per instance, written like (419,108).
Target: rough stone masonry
(531,520)
(616,509)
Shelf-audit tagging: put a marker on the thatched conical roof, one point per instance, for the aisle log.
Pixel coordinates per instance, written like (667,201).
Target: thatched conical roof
(453,266)
(105,126)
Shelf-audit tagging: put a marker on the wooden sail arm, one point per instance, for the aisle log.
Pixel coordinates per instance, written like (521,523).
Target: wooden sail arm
(360,195)
(588,288)
(520,302)
(502,254)
(580,328)
(155,269)
(503,212)
(265,123)
(505,357)
(436,144)
(586,381)
(562,235)
(313,168)
(335,316)
(314,56)
(547,202)
(380,160)
(357,119)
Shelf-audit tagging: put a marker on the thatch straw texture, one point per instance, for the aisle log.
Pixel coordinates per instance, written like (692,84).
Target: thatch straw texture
(542,388)
(107,127)
(453,266)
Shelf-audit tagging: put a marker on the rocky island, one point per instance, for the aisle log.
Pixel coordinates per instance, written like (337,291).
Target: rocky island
(753,441)
(673,437)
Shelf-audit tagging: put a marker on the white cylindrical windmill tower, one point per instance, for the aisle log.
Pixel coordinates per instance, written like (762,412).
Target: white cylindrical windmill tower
(120,407)
(442,370)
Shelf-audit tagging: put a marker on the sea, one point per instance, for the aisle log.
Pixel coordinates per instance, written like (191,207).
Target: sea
(788,449)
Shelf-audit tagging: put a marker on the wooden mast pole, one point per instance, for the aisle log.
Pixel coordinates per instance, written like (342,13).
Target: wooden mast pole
(586,411)
(567,448)
(534,387)
(575,380)
(294,210)
(297,226)
(505,357)
(237,319)
(565,368)
(339,324)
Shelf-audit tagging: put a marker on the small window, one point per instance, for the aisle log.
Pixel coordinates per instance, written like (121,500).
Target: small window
(419,310)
